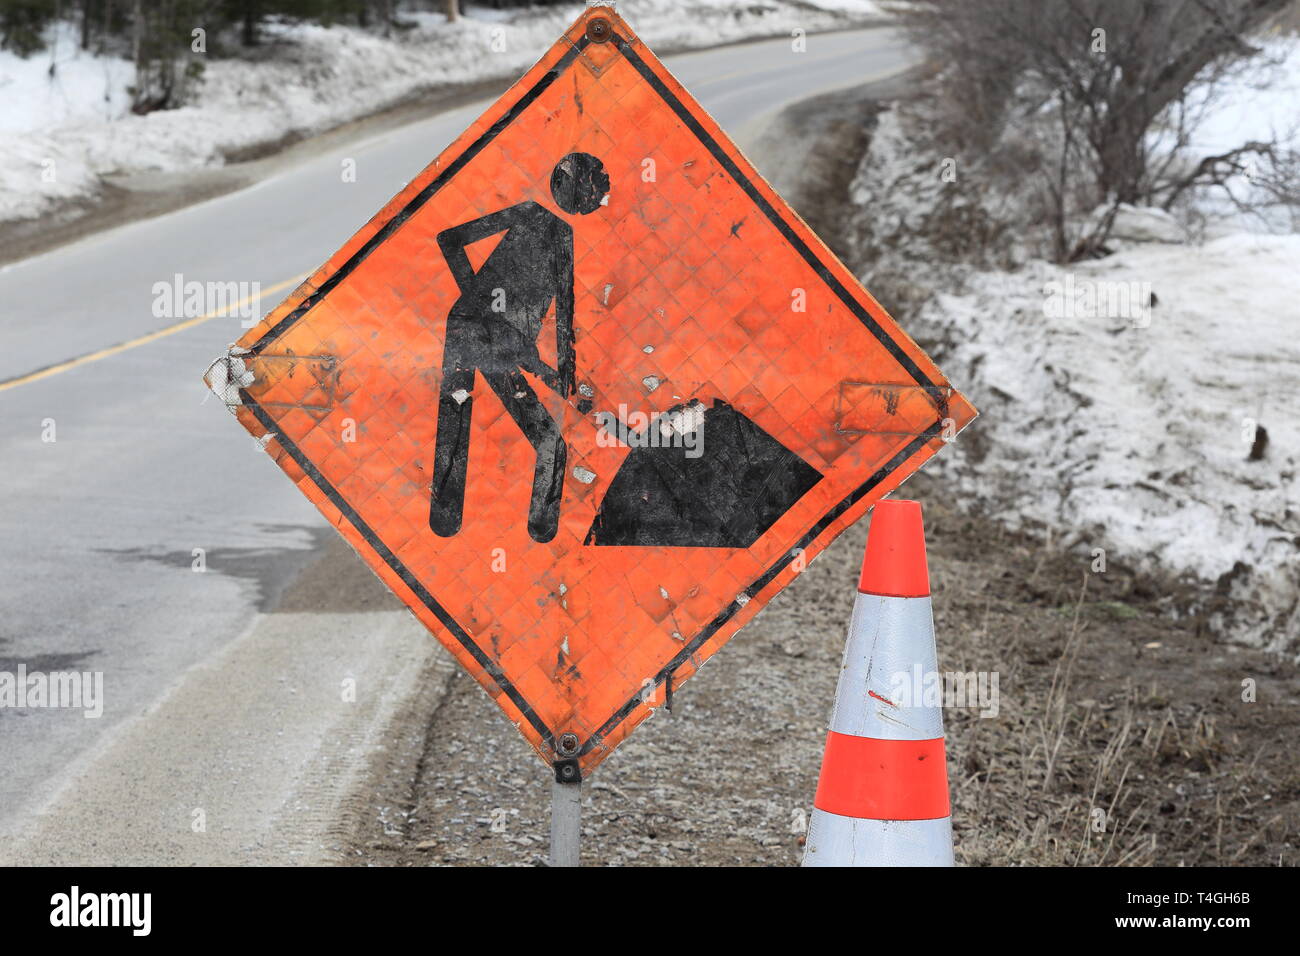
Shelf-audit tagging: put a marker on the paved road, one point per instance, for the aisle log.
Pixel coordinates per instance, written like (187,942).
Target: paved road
(100,525)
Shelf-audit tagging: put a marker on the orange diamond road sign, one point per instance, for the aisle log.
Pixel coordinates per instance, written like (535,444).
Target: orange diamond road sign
(587,393)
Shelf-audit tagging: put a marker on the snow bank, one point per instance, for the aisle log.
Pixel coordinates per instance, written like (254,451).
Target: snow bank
(1130,428)
(60,133)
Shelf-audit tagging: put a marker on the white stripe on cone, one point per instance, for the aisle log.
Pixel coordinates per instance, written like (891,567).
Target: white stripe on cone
(888,638)
(834,840)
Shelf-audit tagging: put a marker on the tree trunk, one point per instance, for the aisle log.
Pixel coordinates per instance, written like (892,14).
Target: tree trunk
(453,10)
(137,52)
(107,25)
(1119,156)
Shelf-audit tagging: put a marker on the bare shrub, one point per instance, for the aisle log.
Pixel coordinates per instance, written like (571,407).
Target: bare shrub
(1063,97)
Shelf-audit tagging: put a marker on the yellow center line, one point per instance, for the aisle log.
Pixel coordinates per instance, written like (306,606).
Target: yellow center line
(141,340)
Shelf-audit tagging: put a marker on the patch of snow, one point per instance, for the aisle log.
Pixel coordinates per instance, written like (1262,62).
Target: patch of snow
(1146,224)
(1132,432)
(61,85)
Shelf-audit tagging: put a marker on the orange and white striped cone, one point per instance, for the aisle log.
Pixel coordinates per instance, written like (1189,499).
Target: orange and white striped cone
(882,798)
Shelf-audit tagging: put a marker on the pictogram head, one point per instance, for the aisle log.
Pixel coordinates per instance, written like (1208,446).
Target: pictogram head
(579,183)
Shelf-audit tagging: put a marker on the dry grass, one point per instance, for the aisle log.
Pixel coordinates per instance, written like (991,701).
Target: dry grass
(1110,748)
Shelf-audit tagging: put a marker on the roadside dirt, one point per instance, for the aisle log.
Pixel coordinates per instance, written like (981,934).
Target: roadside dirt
(1122,736)
(1104,704)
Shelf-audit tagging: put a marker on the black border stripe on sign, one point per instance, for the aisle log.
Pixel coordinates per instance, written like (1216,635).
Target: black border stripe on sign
(905,452)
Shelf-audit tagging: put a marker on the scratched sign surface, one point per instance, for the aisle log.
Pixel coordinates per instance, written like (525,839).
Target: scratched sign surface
(586,394)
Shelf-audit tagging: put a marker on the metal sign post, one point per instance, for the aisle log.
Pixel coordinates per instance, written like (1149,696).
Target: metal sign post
(566,803)
(566,822)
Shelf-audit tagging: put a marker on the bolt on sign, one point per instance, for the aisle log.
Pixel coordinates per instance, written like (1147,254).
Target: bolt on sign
(587,393)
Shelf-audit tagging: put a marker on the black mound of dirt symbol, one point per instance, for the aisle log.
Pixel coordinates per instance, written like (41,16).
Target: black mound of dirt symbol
(741,483)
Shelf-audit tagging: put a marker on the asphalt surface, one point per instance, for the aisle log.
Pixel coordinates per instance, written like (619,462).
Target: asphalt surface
(100,525)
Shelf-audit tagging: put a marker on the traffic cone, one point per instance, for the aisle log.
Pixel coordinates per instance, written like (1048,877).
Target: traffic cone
(882,798)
